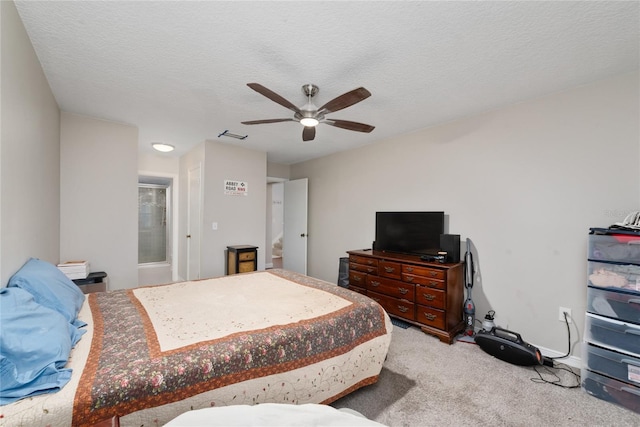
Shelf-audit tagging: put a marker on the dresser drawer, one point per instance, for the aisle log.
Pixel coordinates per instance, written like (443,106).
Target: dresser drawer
(615,247)
(390,269)
(613,334)
(372,262)
(246,256)
(357,289)
(609,275)
(371,269)
(430,316)
(431,273)
(391,287)
(620,366)
(422,280)
(621,305)
(395,306)
(611,390)
(431,297)
(357,278)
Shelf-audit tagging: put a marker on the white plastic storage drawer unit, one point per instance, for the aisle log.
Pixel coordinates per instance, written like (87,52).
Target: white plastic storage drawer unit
(611,351)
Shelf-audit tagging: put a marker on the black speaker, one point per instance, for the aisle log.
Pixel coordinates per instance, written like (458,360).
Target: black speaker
(450,243)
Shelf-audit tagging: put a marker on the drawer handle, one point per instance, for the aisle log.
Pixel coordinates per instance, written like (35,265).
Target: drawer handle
(433,273)
(357,278)
(429,297)
(435,284)
(374,283)
(409,279)
(430,316)
(370,270)
(630,390)
(403,291)
(402,308)
(389,269)
(410,269)
(370,261)
(630,362)
(376,299)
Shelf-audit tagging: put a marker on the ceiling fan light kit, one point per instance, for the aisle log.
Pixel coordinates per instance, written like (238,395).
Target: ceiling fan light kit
(309,115)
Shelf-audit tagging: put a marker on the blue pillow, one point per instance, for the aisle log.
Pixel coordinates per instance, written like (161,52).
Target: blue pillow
(35,343)
(51,288)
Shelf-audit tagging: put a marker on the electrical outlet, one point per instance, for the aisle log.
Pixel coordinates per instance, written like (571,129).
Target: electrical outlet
(561,312)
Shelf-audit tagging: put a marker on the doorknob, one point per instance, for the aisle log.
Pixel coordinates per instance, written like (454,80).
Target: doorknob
(304,235)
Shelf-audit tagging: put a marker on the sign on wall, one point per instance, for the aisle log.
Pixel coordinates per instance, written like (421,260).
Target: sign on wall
(235,188)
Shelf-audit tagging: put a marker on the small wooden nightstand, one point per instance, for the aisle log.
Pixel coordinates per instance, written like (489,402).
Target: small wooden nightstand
(241,259)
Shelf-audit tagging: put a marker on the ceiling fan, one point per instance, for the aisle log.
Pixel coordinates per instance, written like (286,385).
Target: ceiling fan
(309,115)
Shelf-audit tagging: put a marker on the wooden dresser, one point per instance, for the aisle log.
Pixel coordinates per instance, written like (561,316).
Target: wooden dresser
(427,294)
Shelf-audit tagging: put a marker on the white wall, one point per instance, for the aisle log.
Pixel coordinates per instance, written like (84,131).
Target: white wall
(524,183)
(99,196)
(29,153)
(241,219)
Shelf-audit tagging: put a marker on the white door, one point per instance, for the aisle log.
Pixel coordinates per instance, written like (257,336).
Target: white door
(294,241)
(194,208)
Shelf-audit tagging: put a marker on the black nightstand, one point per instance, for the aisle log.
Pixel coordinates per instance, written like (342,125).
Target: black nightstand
(241,259)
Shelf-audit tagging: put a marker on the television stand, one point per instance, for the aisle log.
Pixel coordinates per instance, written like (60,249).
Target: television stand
(427,294)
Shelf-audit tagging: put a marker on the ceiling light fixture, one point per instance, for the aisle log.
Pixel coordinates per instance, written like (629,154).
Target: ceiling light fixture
(309,121)
(165,148)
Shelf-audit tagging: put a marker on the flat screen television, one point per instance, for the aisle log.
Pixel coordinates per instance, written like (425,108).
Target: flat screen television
(409,232)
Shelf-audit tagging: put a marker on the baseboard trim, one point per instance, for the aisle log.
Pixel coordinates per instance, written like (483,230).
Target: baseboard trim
(270,265)
(573,361)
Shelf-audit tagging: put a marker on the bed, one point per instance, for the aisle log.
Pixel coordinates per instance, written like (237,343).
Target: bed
(152,353)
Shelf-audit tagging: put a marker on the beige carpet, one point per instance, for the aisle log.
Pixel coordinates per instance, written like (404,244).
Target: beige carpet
(427,383)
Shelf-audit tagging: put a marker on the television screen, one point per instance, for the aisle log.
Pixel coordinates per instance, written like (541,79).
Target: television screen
(409,232)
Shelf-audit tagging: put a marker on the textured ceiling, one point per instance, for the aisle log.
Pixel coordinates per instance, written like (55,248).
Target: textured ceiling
(178,70)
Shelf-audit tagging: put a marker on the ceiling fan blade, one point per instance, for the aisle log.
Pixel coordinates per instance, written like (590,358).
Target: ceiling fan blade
(346,124)
(308,133)
(273,96)
(345,100)
(260,122)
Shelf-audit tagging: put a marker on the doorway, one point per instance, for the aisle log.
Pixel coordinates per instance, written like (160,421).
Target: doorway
(287,231)
(155,230)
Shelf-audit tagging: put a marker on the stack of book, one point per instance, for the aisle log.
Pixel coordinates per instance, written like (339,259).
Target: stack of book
(75,269)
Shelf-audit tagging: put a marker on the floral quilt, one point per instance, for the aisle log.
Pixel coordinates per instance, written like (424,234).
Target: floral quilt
(144,355)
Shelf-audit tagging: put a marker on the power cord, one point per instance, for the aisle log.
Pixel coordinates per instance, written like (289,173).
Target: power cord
(549,363)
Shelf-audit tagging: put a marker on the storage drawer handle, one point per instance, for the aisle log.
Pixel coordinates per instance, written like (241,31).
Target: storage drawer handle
(433,273)
(402,308)
(430,316)
(403,291)
(630,362)
(434,284)
(357,278)
(370,270)
(389,269)
(429,297)
(409,279)
(374,283)
(410,269)
(630,390)
(370,261)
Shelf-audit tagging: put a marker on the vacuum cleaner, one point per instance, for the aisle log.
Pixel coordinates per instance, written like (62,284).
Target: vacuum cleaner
(510,347)
(469,306)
